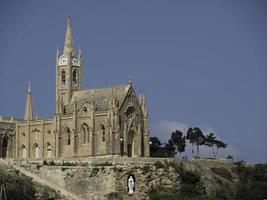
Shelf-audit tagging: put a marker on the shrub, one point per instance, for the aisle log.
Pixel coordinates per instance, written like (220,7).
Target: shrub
(145,169)
(52,163)
(63,168)
(94,172)
(38,166)
(178,167)
(103,164)
(191,185)
(117,169)
(223,173)
(159,165)
(230,157)
(160,192)
(69,164)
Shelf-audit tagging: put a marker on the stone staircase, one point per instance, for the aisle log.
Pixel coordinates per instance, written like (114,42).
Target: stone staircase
(62,192)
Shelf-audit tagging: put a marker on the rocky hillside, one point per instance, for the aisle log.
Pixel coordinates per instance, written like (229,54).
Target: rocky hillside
(16,186)
(160,179)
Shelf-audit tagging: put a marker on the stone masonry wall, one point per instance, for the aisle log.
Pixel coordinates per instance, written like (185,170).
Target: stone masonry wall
(106,177)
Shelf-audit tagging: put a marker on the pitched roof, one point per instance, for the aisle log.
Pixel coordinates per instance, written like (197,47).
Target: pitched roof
(100,96)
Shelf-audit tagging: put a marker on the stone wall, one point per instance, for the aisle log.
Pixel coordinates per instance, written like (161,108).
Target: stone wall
(106,177)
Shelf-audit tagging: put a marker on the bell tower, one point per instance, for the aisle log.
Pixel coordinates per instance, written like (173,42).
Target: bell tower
(68,72)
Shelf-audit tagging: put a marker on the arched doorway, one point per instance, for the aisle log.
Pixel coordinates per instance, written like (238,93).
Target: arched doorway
(48,150)
(3,147)
(131,143)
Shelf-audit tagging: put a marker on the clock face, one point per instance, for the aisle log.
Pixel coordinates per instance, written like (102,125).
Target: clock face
(63,60)
(74,62)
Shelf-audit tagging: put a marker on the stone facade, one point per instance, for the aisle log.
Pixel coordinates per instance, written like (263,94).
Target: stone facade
(7,137)
(87,122)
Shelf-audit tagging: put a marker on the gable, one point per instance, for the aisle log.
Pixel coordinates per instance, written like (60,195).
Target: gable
(86,109)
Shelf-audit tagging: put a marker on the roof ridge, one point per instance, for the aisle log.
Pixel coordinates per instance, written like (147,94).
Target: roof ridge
(104,87)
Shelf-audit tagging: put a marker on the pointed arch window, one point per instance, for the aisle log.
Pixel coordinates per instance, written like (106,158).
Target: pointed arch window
(63,77)
(85,133)
(68,136)
(130,112)
(36,151)
(103,132)
(23,151)
(36,133)
(74,77)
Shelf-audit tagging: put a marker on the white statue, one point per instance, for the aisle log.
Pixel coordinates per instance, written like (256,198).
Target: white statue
(131,184)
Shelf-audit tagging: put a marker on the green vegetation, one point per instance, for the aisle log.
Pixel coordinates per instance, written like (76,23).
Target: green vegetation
(178,140)
(159,165)
(18,186)
(94,172)
(191,185)
(145,169)
(177,143)
(251,184)
(51,163)
(69,163)
(117,169)
(104,164)
(223,173)
(157,150)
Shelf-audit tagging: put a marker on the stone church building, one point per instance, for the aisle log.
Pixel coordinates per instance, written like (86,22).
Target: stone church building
(87,122)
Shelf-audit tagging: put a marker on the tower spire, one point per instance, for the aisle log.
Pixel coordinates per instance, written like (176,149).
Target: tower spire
(68,45)
(28,115)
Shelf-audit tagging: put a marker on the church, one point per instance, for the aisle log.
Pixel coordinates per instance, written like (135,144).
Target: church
(87,122)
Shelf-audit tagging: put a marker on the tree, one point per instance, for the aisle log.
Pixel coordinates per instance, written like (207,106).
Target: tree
(157,150)
(168,150)
(199,139)
(179,141)
(155,146)
(195,137)
(219,144)
(190,138)
(210,142)
(230,157)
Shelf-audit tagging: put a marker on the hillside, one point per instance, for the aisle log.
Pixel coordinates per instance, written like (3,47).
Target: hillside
(154,179)
(16,186)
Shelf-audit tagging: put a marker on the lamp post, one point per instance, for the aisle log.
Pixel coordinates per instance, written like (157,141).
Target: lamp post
(121,143)
(150,145)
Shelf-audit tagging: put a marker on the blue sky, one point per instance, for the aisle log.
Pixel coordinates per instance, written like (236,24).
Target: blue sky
(202,63)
